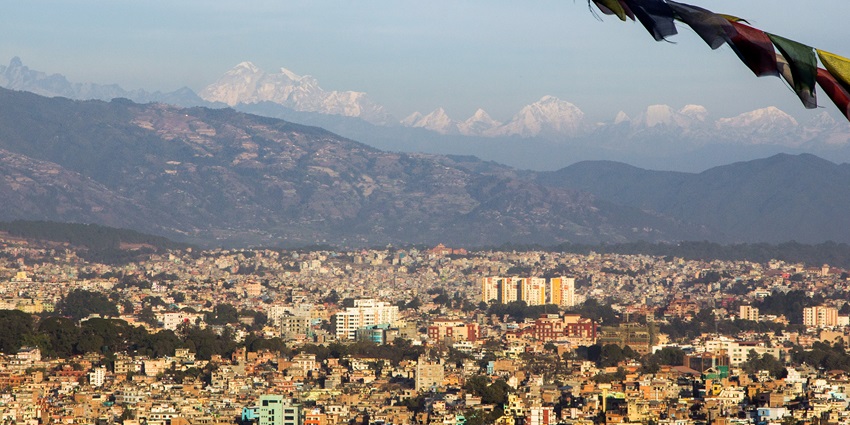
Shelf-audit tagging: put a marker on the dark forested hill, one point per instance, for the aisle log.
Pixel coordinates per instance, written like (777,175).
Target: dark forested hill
(776,199)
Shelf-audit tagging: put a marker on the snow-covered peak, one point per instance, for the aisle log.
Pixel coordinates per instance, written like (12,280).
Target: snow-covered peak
(411,119)
(665,116)
(762,118)
(621,118)
(246,83)
(248,66)
(16,62)
(438,120)
(289,74)
(479,124)
(479,115)
(547,116)
(658,115)
(822,120)
(697,112)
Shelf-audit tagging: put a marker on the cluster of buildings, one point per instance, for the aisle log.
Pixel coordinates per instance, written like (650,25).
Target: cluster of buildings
(316,299)
(559,291)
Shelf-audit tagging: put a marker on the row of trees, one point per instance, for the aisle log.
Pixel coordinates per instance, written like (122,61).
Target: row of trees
(520,310)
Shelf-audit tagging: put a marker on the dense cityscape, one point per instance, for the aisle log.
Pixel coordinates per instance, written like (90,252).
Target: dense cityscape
(418,336)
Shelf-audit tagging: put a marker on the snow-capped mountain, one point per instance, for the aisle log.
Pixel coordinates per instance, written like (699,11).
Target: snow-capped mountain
(659,129)
(479,124)
(246,83)
(438,120)
(761,119)
(621,118)
(696,112)
(549,116)
(664,115)
(17,76)
(763,126)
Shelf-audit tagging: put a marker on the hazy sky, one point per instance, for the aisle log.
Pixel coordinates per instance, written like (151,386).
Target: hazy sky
(417,56)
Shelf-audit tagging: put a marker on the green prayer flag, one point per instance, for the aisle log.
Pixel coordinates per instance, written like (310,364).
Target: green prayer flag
(803,66)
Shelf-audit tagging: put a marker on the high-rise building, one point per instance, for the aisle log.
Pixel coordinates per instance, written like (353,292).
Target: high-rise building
(365,313)
(490,288)
(510,289)
(748,312)
(553,291)
(533,290)
(568,291)
(820,316)
(97,376)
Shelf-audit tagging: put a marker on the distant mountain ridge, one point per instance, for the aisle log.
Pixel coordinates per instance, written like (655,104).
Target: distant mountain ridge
(17,76)
(544,135)
(217,176)
(221,177)
(247,84)
(777,199)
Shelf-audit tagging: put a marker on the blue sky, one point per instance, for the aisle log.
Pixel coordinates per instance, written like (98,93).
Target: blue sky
(417,56)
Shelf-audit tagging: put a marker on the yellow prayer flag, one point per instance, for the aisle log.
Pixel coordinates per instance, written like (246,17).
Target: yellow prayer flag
(838,66)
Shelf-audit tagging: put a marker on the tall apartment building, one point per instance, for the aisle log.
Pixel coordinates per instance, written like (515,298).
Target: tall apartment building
(365,313)
(747,312)
(532,290)
(490,288)
(563,291)
(820,316)
(429,374)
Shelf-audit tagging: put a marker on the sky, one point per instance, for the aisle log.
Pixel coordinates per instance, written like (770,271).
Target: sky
(418,56)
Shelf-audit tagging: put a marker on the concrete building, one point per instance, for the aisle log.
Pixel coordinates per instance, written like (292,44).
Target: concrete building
(273,410)
(532,290)
(748,312)
(365,313)
(820,316)
(429,374)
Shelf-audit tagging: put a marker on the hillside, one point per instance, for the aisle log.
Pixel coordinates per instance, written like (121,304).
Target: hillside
(219,177)
(776,199)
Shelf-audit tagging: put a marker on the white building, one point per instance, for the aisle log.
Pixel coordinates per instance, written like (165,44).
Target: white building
(365,313)
(97,376)
(738,351)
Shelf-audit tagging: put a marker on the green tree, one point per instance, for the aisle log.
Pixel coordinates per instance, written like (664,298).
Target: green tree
(15,325)
(62,336)
(81,303)
(223,314)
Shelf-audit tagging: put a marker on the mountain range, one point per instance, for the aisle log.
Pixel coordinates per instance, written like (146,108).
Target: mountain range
(544,135)
(222,177)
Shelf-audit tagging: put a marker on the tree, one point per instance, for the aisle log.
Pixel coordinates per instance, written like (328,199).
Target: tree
(223,314)
(81,303)
(766,362)
(62,336)
(14,326)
